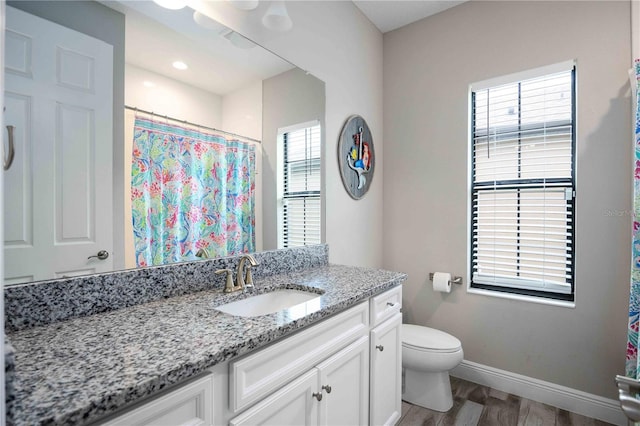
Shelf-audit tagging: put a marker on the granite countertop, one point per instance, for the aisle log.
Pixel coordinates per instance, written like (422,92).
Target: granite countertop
(75,371)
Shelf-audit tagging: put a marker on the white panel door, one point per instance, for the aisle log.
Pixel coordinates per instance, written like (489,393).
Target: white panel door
(344,381)
(386,372)
(58,193)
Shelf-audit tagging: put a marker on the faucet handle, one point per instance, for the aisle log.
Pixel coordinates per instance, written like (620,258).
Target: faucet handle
(248,278)
(203,253)
(228,288)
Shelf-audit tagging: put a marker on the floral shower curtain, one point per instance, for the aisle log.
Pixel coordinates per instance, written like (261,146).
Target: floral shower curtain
(632,369)
(190,190)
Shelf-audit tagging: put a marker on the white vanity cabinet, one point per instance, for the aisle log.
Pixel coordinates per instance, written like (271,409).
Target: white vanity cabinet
(386,372)
(345,370)
(357,356)
(261,373)
(333,359)
(335,392)
(188,405)
(292,405)
(344,380)
(386,358)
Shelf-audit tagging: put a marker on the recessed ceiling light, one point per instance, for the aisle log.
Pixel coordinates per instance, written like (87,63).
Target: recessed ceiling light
(179,65)
(147,83)
(171,4)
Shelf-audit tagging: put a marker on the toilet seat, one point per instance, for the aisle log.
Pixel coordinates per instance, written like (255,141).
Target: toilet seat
(427,339)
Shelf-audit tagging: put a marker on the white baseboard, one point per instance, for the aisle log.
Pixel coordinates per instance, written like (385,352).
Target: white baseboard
(573,400)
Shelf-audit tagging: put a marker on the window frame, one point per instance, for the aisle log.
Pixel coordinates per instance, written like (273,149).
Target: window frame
(281,196)
(508,287)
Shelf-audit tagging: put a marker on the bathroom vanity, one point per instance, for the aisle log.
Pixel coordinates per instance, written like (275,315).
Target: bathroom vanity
(178,360)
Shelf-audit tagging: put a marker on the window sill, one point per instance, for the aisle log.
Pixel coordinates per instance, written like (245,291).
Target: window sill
(522,298)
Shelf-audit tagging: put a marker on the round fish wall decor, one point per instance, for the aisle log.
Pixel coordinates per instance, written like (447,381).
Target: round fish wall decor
(356,157)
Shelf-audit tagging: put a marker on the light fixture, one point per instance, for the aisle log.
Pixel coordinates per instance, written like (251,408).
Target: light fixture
(244,4)
(205,22)
(179,65)
(277,18)
(148,83)
(234,38)
(171,4)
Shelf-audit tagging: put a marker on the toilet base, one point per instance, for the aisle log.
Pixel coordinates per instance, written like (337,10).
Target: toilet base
(428,390)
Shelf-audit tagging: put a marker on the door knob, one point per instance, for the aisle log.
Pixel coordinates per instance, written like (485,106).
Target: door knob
(102,255)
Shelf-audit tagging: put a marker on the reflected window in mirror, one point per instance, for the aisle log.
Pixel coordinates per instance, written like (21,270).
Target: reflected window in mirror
(299,190)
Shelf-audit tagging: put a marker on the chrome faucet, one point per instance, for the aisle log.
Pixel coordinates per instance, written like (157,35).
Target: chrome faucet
(247,281)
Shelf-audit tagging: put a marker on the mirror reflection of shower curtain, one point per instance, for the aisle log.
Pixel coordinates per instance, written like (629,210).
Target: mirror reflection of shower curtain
(632,364)
(190,190)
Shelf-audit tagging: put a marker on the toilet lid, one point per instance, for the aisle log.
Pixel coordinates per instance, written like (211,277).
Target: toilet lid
(425,338)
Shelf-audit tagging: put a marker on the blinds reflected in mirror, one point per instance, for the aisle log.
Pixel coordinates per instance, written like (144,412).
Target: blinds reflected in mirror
(300,219)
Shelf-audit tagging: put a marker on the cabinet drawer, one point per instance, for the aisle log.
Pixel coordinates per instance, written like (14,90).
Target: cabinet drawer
(189,405)
(385,305)
(261,373)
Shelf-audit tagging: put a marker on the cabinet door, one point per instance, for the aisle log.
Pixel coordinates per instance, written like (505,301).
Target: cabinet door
(344,381)
(190,405)
(293,405)
(386,371)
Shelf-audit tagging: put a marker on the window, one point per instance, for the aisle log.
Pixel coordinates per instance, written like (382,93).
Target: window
(299,186)
(523,183)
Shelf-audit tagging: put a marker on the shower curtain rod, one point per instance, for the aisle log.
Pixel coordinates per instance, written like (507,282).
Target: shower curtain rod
(153,114)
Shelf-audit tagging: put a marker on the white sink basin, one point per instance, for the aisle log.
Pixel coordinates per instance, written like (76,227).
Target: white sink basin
(298,301)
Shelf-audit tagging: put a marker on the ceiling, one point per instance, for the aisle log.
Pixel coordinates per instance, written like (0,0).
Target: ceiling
(389,15)
(156,37)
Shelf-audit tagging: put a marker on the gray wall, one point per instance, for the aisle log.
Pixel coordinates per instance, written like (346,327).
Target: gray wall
(428,67)
(108,25)
(289,98)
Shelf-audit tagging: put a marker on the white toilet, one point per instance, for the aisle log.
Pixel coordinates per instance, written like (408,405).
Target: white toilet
(427,357)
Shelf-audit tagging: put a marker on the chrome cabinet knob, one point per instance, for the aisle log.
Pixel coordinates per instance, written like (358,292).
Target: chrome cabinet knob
(102,255)
(317,395)
(380,348)
(327,388)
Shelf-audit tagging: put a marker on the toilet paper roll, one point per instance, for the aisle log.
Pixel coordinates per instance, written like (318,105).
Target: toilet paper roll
(442,282)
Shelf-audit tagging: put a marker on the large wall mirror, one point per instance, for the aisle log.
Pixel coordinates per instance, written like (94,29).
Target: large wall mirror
(67,197)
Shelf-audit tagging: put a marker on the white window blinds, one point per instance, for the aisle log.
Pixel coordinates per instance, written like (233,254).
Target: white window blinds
(523,156)
(301,187)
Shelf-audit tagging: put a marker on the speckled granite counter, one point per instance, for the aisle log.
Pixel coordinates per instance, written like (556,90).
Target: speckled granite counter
(78,370)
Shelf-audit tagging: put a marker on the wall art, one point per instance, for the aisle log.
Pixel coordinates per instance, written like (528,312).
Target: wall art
(356,156)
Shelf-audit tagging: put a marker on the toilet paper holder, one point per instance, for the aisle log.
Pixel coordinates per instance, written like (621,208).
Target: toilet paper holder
(454,280)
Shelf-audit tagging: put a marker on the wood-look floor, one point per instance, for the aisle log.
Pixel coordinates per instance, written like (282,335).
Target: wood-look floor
(475,404)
